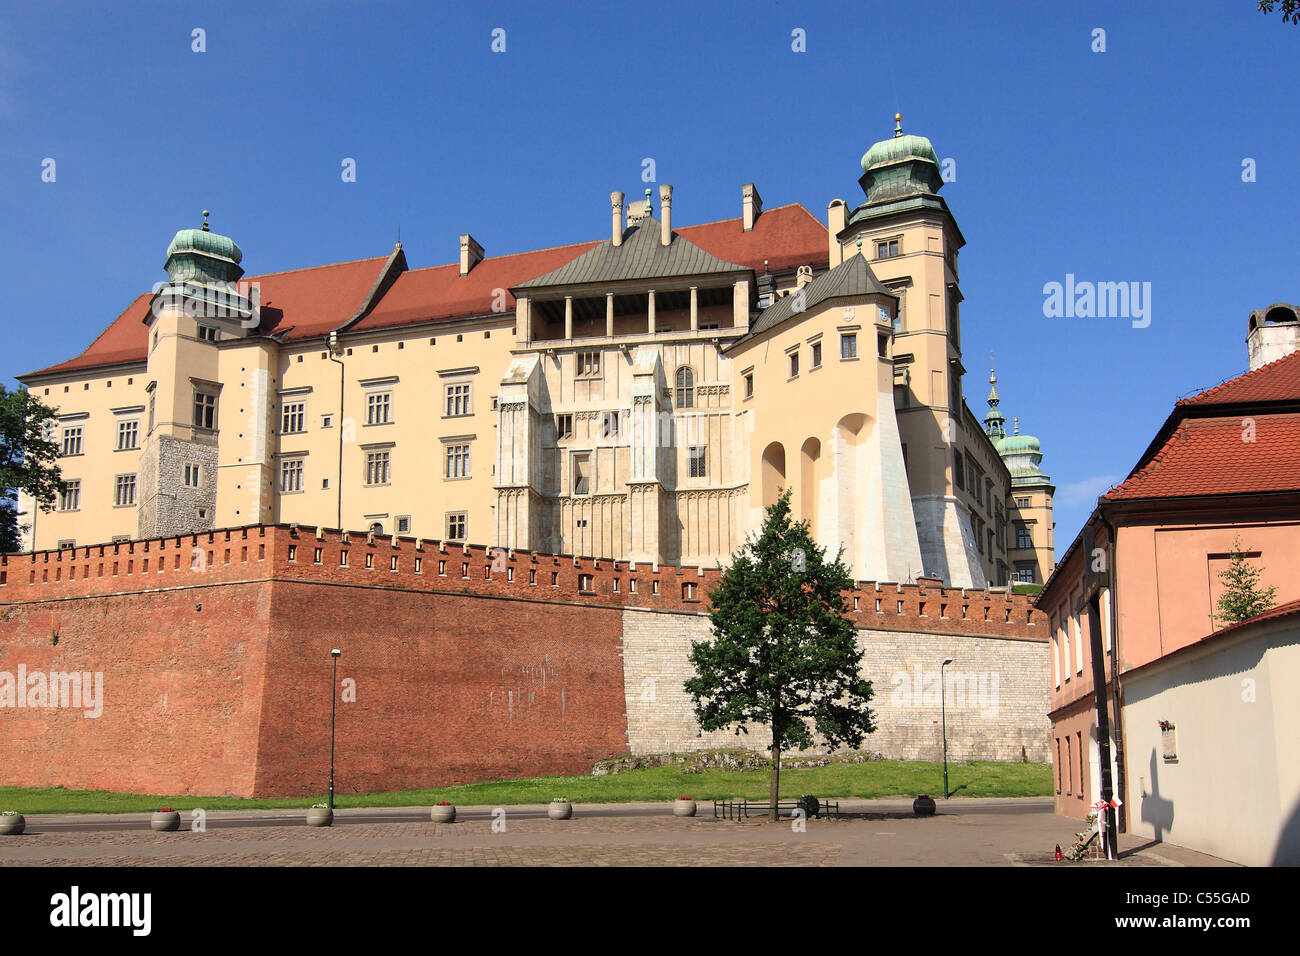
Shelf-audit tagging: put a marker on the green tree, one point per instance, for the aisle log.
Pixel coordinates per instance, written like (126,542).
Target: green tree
(1290,9)
(1242,596)
(784,654)
(27,460)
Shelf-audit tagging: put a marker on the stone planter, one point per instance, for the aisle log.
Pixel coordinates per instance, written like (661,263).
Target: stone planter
(443,814)
(320,817)
(683,808)
(12,824)
(923,806)
(559,811)
(165,821)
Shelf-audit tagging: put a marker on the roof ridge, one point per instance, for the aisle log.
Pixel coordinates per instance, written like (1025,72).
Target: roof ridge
(716,222)
(327,265)
(1232,381)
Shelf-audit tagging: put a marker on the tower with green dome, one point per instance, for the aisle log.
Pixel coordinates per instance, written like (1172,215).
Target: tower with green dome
(1031,545)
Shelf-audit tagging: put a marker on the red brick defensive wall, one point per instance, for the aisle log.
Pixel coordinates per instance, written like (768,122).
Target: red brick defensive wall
(459,663)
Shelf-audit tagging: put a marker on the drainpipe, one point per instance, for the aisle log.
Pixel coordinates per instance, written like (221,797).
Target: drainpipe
(1116,693)
(334,347)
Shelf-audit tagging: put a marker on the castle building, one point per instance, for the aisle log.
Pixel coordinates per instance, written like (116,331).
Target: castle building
(641,397)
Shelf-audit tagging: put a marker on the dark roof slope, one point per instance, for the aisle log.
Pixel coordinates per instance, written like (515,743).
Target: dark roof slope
(852,277)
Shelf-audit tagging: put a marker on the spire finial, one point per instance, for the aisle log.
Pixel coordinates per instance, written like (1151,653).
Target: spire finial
(898,124)
(859,245)
(205,221)
(1016,423)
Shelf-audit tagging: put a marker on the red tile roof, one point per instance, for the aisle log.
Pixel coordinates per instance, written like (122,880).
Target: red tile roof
(1212,456)
(1277,381)
(308,303)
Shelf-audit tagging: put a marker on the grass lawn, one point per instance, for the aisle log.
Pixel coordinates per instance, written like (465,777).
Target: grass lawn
(879,778)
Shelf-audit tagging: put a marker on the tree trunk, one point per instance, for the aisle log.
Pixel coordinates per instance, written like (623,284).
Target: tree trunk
(776,779)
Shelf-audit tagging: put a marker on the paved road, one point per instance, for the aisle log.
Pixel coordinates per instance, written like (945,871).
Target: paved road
(876,832)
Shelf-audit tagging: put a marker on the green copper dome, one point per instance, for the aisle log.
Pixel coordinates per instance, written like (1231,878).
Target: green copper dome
(201,255)
(897,150)
(898,168)
(1018,445)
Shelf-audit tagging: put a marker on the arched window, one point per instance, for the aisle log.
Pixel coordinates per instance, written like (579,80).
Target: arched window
(376,528)
(685,387)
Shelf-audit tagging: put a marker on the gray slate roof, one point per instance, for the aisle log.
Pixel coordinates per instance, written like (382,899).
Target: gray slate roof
(852,277)
(641,256)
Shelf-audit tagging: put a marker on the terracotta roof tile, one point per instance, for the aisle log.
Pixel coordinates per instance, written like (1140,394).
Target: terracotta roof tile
(306,303)
(1210,456)
(1277,381)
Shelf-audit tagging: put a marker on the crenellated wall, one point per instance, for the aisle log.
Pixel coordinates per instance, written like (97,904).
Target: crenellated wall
(466,663)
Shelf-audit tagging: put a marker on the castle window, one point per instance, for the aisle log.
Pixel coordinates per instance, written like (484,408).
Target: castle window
(404,524)
(205,410)
(457,461)
(882,345)
(71,441)
(70,497)
(457,525)
(379,408)
(458,400)
(582,478)
(697,461)
(208,334)
(327,421)
(794,362)
(190,477)
(588,364)
(1024,537)
(295,418)
(849,345)
(124,491)
(290,475)
(958,469)
(816,355)
(128,435)
(685,387)
(377,468)
(564,426)
(749,384)
(887,249)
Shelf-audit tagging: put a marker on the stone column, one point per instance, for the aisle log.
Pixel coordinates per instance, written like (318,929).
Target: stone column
(650,320)
(568,316)
(695,308)
(609,314)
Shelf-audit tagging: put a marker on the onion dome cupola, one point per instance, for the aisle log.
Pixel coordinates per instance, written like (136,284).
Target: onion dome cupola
(202,256)
(905,165)
(995,425)
(1022,455)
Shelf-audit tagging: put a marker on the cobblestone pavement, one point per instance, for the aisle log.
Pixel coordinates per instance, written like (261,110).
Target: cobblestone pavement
(987,834)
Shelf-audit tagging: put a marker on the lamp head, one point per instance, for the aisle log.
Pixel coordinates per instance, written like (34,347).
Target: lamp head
(336,653)
(946,662)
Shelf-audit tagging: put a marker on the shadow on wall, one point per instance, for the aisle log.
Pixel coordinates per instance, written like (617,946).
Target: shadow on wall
(1287,851)
(1156,810)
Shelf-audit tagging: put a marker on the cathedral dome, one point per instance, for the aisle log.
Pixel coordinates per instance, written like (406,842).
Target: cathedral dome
(203,256)
(205,243)
(902,167)
(902,147)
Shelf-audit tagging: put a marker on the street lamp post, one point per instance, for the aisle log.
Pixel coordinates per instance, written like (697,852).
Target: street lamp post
(333,705)
(943,713)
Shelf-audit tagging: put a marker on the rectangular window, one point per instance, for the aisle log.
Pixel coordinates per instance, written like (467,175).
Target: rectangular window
(582,474)
(291,475)
(1024,538)
(794,363)
(124,492)
(749,385)
(207,333)
(327,421)
(958,469)
(882,345)
(849,345)
(457,524)
(128,435)
(696,457)
(564,426)
(816,355)
(205,410)
(71,440)
(457,461)
(457,400)
(295,418)
(377,468)
(191,476)
(379,408)
(588,364)
(887,249)
(70,498)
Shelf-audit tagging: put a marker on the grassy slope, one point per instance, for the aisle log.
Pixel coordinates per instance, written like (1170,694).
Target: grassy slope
(883,778)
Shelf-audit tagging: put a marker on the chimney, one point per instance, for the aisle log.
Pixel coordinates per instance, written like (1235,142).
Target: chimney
(616,214)
(471,253)
(665,214)
(1272,333)
(752,203)
(836,218)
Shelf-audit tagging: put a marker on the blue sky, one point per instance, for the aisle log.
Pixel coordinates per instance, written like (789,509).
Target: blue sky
(1117,166)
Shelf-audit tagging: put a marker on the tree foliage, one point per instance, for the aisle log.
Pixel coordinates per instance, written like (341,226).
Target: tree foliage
(1290,9)
(27,460)
(1242,596)
(784,654)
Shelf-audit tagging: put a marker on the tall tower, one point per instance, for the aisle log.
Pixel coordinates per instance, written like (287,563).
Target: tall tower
(912,239)
(200,306)
(1031,547)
